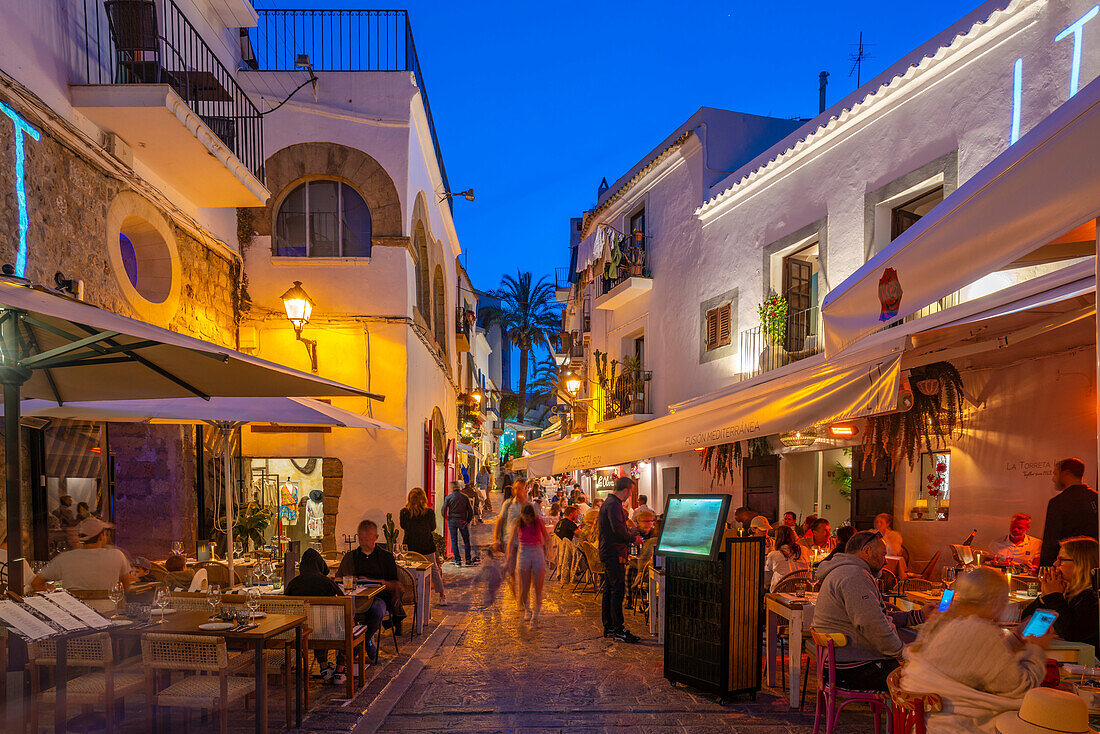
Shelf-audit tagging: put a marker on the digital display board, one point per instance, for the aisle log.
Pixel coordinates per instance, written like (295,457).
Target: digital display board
(693,525)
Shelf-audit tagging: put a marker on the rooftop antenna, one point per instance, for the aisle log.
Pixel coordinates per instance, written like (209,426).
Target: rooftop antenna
(822,82)
(857,60)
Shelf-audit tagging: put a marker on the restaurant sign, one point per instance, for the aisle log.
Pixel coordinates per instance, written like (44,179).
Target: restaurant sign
(22,127)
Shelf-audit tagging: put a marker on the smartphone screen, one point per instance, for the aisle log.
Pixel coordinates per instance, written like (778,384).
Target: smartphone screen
(1039,623)
(945,601)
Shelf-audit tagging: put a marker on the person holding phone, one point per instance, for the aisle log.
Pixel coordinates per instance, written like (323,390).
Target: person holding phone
(963,655)
(1067,590)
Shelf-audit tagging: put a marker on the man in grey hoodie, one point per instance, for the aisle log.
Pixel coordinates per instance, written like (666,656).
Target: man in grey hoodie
(849,603)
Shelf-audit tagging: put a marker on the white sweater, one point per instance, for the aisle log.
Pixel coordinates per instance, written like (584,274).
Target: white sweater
(969,662)
(777,565)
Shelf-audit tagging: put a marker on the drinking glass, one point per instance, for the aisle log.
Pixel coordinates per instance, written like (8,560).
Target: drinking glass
(948,575)
(213,598)
(161,600)
(349,584)
(252,600)
(115,594)
(800,589)
(1033,589)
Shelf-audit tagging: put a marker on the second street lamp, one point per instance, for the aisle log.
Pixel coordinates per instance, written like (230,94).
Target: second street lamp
(299,307)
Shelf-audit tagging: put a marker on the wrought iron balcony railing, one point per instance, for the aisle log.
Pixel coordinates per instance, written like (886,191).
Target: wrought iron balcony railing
(762,352)
(628,396)
(633,265)
(153,42)
(343,40)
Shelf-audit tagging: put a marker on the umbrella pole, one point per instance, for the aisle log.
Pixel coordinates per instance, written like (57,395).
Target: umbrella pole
(13,378)
(226,430)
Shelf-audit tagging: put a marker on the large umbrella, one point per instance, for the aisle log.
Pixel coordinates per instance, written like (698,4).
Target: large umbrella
(61,349)
(225,414)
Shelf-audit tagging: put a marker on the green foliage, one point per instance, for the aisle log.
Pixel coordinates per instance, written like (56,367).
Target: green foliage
(773,318)
(724,460)
(250,523)
(509,406)
(440,546)
(842,478)
(389,531)
(931,422)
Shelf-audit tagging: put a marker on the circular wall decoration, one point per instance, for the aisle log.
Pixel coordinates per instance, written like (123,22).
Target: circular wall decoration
(144,257)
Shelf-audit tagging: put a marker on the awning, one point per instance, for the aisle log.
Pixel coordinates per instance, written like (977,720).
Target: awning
(1040,188)
(864,384)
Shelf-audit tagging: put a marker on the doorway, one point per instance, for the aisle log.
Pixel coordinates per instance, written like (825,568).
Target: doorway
(761,482)
(872,490)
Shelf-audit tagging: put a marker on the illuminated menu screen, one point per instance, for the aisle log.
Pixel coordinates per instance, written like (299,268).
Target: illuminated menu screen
(693,526)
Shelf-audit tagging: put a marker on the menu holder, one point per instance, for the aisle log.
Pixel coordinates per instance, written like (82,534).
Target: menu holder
(54,613)
(19,619)
(78,609)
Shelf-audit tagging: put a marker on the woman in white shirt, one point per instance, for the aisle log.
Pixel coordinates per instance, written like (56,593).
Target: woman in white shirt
(789,555)
(884,524)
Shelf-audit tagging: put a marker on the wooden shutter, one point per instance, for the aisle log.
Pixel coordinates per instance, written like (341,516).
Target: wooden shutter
(712,328)
(724,336)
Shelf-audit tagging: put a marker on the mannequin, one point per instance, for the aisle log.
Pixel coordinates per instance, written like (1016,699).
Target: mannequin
(315,514)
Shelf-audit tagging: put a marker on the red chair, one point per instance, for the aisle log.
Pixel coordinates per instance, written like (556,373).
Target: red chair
(831,699)
(908,712)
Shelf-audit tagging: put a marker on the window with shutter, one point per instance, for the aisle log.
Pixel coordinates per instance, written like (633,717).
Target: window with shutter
(719,327)
(724,336)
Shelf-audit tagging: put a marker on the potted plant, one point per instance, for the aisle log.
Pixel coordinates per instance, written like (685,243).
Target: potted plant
(249,525)
(390,532)
(773,327)
(635,383)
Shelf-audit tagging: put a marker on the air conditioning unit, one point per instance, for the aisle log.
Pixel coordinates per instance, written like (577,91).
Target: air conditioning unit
(119,148)
(249,338)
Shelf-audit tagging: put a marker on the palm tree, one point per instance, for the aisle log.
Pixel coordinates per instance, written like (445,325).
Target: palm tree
(527,313)
(544,380)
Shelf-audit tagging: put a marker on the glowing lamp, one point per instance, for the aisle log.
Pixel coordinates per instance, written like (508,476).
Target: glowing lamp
(572,383)
(476,395)
(298,306)
(843,430)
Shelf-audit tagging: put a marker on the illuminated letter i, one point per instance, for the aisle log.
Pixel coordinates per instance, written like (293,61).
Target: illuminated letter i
(21,127)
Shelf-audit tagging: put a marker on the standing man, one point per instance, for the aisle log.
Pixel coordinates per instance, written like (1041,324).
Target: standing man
(1071,512)
(459,512)
(484,480)
(615,540)
(372,562)
(1018,548)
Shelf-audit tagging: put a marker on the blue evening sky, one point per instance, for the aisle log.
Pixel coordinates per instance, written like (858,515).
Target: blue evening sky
(535,102)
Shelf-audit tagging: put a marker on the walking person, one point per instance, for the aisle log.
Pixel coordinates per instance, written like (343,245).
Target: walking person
(615,540)
(529,545)
(505,527)
(484,484)
(459,512)
(418,523)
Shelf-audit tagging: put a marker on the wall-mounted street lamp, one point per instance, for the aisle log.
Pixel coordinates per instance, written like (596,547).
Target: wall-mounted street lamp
(299,307)
(572,382)
(468,195)
(476,396)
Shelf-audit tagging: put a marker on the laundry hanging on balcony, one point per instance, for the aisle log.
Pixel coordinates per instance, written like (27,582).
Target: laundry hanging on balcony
(596,249)
(615,258)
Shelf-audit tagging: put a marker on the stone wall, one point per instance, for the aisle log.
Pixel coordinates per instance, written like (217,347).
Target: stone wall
(69,195)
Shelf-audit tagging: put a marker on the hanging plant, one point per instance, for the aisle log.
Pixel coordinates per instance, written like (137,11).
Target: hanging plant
(724,460)
(932,420)
(773,319)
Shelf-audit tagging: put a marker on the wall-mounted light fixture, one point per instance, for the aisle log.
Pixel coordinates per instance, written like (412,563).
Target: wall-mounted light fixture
(299,307)
(572,382)
(476,396)
(468,195)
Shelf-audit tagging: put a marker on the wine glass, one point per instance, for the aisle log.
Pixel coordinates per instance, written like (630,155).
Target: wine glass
(948,575)
(161,600)
(402,552)
(213,598)
(115,594)
(252,600)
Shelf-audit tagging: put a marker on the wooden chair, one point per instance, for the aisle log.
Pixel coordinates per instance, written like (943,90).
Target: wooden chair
(414,557)
(916,584)
(909,709)
(107,683)
(215,685)
(929,568)
(594,576)
(97,599)
(831,698)
(277,658)
(410,597)
(887,582)
(189,601)
(332,627)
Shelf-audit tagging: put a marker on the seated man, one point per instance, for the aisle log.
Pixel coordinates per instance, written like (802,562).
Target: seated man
(820,538)
(1018,548)
(371,562)
(849,603)
(92,567)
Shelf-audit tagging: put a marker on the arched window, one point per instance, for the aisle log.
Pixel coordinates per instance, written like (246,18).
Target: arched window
(420,240)
(323,218)
(439,297)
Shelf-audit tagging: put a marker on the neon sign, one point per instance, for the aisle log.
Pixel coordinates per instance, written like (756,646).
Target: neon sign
(21,127)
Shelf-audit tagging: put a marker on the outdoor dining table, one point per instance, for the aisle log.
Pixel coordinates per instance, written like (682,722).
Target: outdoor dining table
(799,614)
(267,628)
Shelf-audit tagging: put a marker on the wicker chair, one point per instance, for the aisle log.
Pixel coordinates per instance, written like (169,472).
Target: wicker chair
(187,601)
(887,582)
(594,576)
(790,582)
(916,584)
(409,597)
(414,557)
(216,686)
(332,627)
(909,709)
(277,658)
(218,573)
(107,684)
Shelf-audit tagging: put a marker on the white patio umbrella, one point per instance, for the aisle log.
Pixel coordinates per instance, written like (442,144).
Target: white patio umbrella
(225,414)
(61,349)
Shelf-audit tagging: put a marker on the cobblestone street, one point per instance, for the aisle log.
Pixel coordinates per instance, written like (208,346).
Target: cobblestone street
(487,671)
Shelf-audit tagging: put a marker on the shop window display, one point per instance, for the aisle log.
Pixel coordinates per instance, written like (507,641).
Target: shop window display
(292,490)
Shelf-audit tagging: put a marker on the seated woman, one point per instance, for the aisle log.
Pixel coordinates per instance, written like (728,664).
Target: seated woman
(963,655)
(884,524)
(789,555)
(313,580)
(1067,589)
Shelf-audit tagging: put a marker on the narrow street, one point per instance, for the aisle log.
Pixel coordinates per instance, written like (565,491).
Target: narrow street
(484,670)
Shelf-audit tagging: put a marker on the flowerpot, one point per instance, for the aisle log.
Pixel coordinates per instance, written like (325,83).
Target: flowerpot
(636,271)
(773,357)
(637,406)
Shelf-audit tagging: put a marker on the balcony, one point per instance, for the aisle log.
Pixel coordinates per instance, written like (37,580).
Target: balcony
(631,280)
(343,40)
(562,285)
(144,73)
(760,353)
(463,329)
(625,402)
(586,316)
(568,345)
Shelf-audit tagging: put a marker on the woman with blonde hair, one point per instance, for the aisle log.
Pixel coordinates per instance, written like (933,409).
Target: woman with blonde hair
(1067,589)
(418,522)
(963,655)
